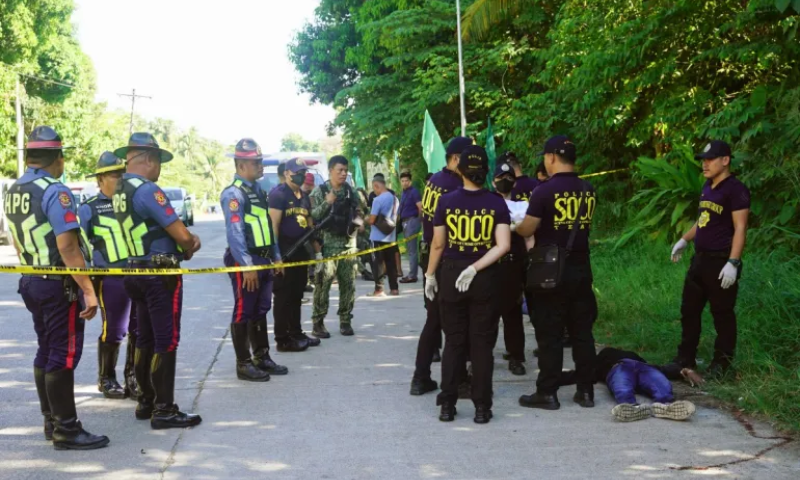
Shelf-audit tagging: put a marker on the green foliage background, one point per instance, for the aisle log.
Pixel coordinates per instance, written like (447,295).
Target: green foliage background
(628,80)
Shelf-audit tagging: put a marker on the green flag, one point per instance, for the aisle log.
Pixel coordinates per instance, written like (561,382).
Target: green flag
(490,151)
(396,176)
(432,148)
(358,175)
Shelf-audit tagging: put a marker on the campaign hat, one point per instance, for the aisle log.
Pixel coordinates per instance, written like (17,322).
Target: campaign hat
(143,141)
(108,162)
(44,137)
(714,149)
(246,149)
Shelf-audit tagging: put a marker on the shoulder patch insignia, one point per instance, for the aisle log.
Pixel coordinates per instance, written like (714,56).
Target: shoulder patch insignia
(233,205)
(160,198)
(64,200)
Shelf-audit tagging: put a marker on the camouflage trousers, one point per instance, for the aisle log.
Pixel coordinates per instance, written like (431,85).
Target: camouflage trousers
(345,272)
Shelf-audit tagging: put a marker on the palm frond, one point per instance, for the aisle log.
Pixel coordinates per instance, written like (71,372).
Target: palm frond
(482,15)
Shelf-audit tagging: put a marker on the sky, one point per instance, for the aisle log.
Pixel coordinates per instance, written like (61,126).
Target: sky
(220,66)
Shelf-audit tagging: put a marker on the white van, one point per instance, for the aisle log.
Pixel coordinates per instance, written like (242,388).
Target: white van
(182,203)
(83,191)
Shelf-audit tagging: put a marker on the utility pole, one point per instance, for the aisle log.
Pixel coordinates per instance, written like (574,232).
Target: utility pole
(461,70)
(20,132)
(133,103)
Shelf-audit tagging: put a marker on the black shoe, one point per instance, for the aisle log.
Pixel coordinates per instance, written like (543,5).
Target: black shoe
(437,357)
(130,377)
(250,373)
(346,330)
(44,403)
(68,433)
(482,414)
(245,370)
(368,277)
(448,412)
(538,400)
(516,367)
(584,399)
(145,394)
(718,371)
(291,345)
(320,331)
(107,355)
(309,288)
(259,342)
(312,341)
(170,416)
(421,386)
(685,362)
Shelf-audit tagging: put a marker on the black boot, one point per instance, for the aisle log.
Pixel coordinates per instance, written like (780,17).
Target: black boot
(130,377)
(584,397)
(516,367)
(448,412)
(346,329)
(539,400)
(145,395)
(482,414)
(259,342)
(68,433)
(291,344)
(312,342)
(245,370)
(166,413)
(44,403)
(107,355)
(421,386)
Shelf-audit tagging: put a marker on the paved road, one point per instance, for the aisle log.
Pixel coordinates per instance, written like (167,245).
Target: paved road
(344,412)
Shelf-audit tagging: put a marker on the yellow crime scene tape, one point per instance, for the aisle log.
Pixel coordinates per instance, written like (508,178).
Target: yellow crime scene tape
(603,173)
(27,269)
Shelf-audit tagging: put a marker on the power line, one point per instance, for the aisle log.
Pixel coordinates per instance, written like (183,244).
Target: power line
(133,103)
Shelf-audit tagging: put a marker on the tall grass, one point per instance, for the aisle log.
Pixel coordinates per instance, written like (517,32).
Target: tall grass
(639,296)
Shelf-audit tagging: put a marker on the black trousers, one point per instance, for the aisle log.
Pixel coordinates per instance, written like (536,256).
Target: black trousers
(573,305)
(702,285)
(383,265)
(511,273)
(430,339)
(469,324)
(288,289)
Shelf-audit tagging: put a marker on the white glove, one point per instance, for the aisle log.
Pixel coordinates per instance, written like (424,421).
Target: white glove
(465,279)
(431,286)
(728,275)
(677,250)
(318,256)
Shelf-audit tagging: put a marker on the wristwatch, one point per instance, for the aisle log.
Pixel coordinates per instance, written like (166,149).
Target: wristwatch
(735,262)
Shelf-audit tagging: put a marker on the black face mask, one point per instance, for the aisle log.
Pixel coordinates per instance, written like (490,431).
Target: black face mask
(504,185)
(298,179)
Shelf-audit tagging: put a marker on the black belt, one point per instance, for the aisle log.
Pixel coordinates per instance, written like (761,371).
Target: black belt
(47,276)
(265,252)
(149,264)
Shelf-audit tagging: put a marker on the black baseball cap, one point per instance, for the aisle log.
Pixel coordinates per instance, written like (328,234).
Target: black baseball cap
(503,168)
(473,158)
(561,145)
(715,149)
(457,145)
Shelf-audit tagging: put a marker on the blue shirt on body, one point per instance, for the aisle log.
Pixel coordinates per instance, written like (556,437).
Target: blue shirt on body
(383,205)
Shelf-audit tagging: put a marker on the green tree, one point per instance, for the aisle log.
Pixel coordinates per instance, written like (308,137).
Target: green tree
(294,142)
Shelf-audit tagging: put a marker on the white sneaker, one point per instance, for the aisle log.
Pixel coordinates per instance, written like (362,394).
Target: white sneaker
(680,410)
(625,412)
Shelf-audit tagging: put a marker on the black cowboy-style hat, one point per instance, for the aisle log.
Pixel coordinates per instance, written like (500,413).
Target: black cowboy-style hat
(44,138)
(108,162)
(143,141)
(246,149)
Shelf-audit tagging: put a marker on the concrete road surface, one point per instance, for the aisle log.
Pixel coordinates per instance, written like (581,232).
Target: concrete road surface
(344,411)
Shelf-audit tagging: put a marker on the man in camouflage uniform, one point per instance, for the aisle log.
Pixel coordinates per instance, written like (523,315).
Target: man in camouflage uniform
(336,198)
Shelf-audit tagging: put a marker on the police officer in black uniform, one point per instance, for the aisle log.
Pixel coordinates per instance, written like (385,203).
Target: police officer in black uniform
(560,214)
(156,239)
(43,219)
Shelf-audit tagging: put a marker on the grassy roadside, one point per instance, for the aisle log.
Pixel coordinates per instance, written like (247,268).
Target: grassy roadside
(639,294)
